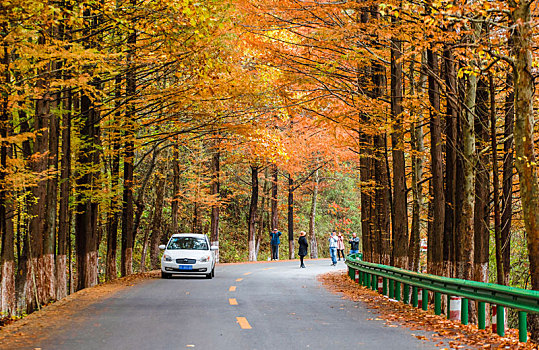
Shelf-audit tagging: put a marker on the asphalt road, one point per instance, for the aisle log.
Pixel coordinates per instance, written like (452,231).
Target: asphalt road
(273,305)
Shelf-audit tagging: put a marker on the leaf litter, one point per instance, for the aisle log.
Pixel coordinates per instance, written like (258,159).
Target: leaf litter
(447,334)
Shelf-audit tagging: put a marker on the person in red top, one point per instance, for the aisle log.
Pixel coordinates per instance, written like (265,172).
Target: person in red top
(340,246)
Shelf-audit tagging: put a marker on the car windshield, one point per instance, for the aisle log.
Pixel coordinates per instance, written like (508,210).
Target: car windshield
(192,243)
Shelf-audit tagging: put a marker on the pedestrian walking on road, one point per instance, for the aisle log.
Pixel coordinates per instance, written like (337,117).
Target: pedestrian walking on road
(340,246)
(354,244)
(333,248)
(275,241)
(303,245)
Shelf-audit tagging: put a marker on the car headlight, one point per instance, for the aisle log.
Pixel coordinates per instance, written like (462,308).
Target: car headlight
(205,258)
(167,257)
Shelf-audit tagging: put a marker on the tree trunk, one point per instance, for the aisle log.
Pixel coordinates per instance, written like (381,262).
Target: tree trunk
(507,178)
(156,231)
(435,238)
(86,238)
(7,256)
(526,162)
(215,192)
(466,223)
(291,253)
(482,188)
(418,148)
(312,217)
(496,184)
(64,224)
(274,199)
(450,162)
(128,233)
(252,213)
(400,222)
(382,234)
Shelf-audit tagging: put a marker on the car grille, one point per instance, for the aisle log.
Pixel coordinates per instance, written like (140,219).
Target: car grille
(186,261)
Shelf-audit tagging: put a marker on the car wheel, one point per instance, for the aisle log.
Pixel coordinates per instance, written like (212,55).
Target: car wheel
(209,275)
(213,272)
(165,275)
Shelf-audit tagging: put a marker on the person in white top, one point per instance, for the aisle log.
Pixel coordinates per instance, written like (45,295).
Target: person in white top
(333,248)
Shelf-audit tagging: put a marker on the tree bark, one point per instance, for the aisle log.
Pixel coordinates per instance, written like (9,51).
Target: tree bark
(86,239)
(400,205)
(496,184)
(7,256)
(312,218)
(274,199)
(156,224)
(253,208)
(215,192)
(64,217)
(128,233)
(526,161)
(452,114)
(418,148)
(291,253)
(482,188)
(435,238)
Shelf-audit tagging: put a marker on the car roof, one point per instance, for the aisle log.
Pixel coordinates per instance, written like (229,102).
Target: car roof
(197,235)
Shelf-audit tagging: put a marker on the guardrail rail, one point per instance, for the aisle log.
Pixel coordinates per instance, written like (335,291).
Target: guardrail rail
(522,300)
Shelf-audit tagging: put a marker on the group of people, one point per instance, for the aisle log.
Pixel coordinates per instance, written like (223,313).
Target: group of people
(336,246)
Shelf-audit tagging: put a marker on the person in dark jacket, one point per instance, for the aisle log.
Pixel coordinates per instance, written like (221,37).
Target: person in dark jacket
(354,244)
(303,245)
(275,241)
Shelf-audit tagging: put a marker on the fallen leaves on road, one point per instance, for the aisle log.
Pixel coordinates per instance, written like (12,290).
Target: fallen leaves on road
(445,332)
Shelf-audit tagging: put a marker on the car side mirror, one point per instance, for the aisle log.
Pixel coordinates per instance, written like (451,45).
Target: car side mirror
(214,247)
(162,247)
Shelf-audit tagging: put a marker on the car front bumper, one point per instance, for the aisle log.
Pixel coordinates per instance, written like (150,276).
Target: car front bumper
(197,268)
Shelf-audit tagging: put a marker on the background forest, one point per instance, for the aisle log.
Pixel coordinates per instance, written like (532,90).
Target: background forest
(122,122)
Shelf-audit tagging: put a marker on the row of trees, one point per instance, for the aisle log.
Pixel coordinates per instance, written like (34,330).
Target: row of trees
(437,98)
(128,117)
(123,122)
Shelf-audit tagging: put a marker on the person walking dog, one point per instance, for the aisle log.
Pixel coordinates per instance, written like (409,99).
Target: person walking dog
(275,241)
(303,245)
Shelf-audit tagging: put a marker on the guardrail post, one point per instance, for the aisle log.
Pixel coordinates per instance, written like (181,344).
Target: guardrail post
(522,327)
(384,286)
(481,320)
(464,311)
(448,307)
(414,296)
(405,293)
(425,299)
(351,273)
(500,320)
(437,303)
(397,290)
(374,282)
(391,289)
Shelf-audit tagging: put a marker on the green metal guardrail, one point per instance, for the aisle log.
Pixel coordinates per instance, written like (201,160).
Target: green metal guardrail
(501,296)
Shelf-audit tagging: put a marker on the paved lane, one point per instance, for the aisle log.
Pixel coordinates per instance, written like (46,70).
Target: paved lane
(274,305)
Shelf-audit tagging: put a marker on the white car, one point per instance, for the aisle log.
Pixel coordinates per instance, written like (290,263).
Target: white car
(189,254)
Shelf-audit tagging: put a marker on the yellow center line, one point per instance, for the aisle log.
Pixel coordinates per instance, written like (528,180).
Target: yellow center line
(232,289)
(247,273)
(242,321)
(268,268)
(233,301)
(239,279)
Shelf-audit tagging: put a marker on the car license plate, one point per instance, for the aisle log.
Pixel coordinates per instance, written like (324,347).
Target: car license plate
(185,267)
